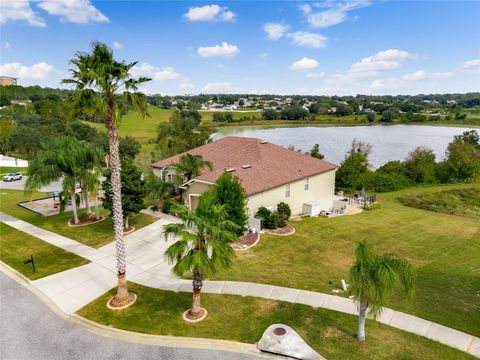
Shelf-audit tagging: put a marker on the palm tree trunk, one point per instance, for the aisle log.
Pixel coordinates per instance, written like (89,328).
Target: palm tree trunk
(196,310)
(87,205)
(361,321)
(122,295)
(97,211)
(126,223)
(73,197)
(160,203)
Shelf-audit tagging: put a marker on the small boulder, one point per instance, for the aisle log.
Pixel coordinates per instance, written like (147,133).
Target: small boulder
(283,340)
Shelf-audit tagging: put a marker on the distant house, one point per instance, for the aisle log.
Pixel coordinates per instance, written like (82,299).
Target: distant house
(269,173)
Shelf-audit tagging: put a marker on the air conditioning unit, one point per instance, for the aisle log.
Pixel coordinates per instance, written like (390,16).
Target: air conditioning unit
(311,208)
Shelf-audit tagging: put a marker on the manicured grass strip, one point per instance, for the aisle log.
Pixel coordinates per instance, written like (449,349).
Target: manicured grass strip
(16,246)
(245,319)
(444,250)
(461,202)
(95,235)
(4,170)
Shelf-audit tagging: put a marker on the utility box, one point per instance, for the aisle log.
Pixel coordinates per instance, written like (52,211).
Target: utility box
(311,208)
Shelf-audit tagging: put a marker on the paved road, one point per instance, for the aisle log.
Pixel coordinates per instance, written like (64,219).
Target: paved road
(20,185)
(30,330)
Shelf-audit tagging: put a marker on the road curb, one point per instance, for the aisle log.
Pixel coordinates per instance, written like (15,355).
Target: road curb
(140,338)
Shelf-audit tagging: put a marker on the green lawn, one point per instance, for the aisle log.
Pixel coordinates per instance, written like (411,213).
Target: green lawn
(4,170)
(16,246)
(142,129)
(95,235)
(444,250)
(462,202)
(207,116)
(244,319)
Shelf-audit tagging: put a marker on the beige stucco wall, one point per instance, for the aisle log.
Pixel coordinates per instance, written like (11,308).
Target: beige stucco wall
(321,188)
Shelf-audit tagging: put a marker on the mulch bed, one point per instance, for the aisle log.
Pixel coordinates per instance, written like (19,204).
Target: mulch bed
(247,241)
(128,230)
(283,231)
(83,222)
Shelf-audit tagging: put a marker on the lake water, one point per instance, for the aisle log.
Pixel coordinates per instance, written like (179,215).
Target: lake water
(390,142)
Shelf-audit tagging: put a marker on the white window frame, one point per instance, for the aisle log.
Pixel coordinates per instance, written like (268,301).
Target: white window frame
(287,191)
(306,184)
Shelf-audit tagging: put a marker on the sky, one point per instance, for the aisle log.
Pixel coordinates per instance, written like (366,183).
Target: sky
(286,47)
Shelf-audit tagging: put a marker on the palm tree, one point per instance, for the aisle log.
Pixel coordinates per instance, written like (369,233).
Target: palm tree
(190,166)
(373,277)
(90,186)
(160,189)
(203,245)
(65,157)
(106,86)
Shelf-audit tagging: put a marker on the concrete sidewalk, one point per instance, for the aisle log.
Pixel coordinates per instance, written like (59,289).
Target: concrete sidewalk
(72,289)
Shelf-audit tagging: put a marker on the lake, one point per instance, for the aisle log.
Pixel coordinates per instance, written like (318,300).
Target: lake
(390,142)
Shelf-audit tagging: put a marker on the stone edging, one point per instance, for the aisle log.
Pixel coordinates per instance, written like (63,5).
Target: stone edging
(248,247)
(85,224)
(288,234)
(145,339)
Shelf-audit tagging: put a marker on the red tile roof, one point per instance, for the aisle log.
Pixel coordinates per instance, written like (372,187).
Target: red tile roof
(270,165)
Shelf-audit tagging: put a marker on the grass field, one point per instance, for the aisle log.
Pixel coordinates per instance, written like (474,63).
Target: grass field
(444,250)
(4,170)
(16,246)
(461,202)
(207,116)
(142,129)
(244,319)
(95,235)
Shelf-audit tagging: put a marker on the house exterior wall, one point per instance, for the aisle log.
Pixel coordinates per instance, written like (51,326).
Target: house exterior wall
(321,188)
(167,174)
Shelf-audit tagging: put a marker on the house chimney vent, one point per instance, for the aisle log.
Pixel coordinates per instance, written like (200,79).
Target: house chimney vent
(246,166)
(230,169)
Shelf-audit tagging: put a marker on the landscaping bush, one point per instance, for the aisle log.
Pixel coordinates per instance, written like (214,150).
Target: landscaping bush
(284,212)
(270,220)
(384,182)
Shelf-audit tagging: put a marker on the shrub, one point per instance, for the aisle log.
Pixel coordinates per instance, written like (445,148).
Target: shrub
(284,213)
(270,220)
(382,182)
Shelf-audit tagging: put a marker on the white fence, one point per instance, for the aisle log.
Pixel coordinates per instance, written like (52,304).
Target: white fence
(12,162)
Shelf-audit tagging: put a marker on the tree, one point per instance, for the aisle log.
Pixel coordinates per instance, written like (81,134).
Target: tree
(372,279)
(354,167)
(229,192)
(63,158)
(462,163)
(270,114)
(371,116)
(133,190)
(203,245)
(471,137)
(190,166)
(315,152)
(390,115)
(421,166)
(159,188)
(105,86)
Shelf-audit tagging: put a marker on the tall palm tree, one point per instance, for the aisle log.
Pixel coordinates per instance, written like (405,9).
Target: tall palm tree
(203,245)
(106,86)
(190,166)
(64,158)
(373,277)
(90,186)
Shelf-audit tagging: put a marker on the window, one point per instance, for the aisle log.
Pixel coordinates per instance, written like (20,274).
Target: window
(305,186)
(287,190)
(170,178)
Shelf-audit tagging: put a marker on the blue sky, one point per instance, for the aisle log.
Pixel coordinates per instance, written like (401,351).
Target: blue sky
(287,47)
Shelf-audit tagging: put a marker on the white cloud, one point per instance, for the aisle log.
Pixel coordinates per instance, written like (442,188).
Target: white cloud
(378,84)
(40,73)
(308,39)
(472,64)
(73,11)
(155,73)
(334,13)
(19,10)
(186,85)
(314,75)
(275,30)
(117,45)
(7,45)
(383,60)
(222,87)
(423,75)
(304,64)
(225,50)
(209,13)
